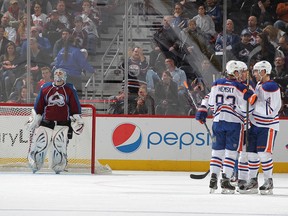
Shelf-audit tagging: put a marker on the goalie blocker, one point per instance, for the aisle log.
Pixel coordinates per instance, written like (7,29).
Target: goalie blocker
(77,124)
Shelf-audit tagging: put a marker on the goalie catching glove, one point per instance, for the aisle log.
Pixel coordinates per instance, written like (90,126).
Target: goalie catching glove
(77,124)
(201,114)
(33,121)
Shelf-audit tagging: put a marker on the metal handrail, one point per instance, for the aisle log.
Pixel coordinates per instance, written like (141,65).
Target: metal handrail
(130,24)
(92,77)
(127,27)
(117,39)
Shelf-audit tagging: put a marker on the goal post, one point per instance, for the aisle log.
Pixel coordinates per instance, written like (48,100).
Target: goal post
(15,140)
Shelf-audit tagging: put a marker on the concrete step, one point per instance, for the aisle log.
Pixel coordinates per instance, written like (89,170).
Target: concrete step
(142,37)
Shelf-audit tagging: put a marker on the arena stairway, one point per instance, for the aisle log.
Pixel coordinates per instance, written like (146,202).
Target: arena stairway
(143,28)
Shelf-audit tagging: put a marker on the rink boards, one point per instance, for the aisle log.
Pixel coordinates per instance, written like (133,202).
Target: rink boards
(154,143)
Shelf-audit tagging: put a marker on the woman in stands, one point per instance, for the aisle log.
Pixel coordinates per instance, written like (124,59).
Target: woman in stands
(91,20)
(266,49)
(22,97)
(179,20)
(39,18)
(9,69)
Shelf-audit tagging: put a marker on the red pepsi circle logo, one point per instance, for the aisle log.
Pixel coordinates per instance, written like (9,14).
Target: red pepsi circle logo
(127,138)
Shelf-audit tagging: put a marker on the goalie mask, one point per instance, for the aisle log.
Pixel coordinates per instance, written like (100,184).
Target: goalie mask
(60,75)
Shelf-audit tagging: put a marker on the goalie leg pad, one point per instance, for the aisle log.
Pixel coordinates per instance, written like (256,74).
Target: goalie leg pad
(58,154)
(39,147)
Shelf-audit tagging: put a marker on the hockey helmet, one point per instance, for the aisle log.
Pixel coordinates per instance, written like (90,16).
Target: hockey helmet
(242,65)
(231,67)
(60,75)
(263,65)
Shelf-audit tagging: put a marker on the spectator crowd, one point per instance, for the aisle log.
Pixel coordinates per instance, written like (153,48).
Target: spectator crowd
(188,47)
(62,34)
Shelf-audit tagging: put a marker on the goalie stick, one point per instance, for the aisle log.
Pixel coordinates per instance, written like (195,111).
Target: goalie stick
(196,176)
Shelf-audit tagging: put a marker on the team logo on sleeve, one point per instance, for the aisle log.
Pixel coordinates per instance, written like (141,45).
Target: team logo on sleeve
(127,138)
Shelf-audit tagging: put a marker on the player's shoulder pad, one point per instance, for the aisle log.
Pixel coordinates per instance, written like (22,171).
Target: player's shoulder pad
(71,86)
(46,84)
(227,82)
(240,86)
(220,81)
(270,86)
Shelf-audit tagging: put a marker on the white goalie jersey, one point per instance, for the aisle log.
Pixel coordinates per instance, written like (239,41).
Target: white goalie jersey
(267,106)
(226,101)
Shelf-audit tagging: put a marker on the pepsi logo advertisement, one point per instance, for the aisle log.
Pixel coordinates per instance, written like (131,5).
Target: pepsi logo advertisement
(127,138)
(169,139)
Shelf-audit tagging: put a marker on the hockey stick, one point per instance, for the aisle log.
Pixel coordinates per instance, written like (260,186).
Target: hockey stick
(200,176)
(247,110)
(195,176)
(194,103)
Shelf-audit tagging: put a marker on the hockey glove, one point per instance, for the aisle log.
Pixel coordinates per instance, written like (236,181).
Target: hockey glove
(77,124)
(250,96)
(201,114)
(33,121)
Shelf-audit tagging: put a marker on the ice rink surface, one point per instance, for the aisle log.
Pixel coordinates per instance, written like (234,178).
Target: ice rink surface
(125,193)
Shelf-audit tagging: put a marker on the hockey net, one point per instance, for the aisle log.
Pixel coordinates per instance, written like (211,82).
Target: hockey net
(15,141)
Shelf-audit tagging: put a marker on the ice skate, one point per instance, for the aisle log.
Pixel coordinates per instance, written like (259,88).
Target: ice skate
(267,187)
(213,183)
(226,186)
(241,184)
(250,188)
(234,180)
